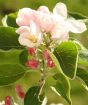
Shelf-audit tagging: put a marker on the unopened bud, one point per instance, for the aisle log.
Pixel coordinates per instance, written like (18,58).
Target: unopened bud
(32,63)
(46,55)
(31,51)
(50,63)
(7,100)
(20,92)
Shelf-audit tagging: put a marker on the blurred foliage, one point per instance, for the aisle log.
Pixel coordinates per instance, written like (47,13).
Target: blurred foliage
(79,95)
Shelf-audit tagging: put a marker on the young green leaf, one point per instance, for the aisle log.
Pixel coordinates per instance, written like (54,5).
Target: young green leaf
(62,86)
(8,38)
(32,96)
(67,56)
(10,20)
(83,57)
(23,56)
(82,73)
(10,73)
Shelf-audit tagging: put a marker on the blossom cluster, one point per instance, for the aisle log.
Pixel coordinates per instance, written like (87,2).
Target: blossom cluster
(34,23)
(33,63)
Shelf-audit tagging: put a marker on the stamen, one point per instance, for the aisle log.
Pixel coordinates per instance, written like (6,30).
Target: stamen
(33,38)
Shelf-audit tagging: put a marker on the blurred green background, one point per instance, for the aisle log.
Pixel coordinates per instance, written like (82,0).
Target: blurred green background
(78,94)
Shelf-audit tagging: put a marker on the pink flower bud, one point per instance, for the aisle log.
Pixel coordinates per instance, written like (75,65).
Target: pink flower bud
(31,51)
(32,63)
(50,63)
(46,55)
(7,100)
(20,92)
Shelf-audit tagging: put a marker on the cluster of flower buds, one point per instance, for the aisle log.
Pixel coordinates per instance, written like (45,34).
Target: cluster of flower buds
(33,63)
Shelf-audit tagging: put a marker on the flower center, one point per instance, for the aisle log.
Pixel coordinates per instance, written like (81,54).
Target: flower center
(33,38)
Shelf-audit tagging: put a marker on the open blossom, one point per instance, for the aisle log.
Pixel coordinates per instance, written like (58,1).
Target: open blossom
(72,25)
(34,22)
(41,17)
(29,36)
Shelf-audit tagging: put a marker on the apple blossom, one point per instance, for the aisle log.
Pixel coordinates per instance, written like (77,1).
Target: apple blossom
(73,25)
(42,18)
(33,23)
(30,36)
(24,15)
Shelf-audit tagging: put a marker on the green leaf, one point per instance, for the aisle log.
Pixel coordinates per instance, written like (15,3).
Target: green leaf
(8,38)
(10,20)
(62,83)
(62,86)
(24,56)
(83,57)
(10,73)
(67,55)
(77,15)
(10,68)
(32,96)
(82,73)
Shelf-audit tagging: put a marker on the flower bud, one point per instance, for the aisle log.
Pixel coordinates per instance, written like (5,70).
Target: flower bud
(32,63)
(20,92)
(46,55)
(31,51)
(50,63)
(7,100)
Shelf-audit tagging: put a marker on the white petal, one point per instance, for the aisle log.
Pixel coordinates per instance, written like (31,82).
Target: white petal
(23,17)
(76,26)
(24,12)
(40,37)
(44,9)
(25,42)
(33,28)
(23,30)
(60,10)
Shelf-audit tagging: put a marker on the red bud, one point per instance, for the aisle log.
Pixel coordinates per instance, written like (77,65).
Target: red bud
(46,54)
(31,51)
(20,92)
(8,100)
(32,63)
(50,63)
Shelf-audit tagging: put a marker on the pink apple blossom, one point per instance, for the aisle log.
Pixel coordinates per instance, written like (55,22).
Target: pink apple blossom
(30,36)
(34,22)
